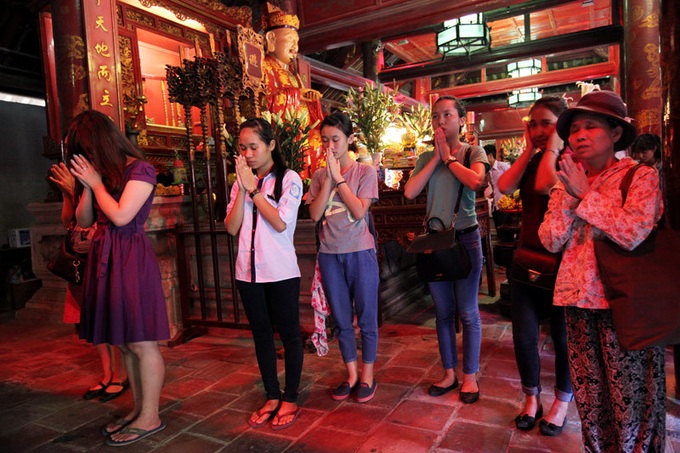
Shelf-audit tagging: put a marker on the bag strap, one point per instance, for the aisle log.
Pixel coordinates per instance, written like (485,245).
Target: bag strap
(458,200)
(462,187)
(627,181)
(430,220)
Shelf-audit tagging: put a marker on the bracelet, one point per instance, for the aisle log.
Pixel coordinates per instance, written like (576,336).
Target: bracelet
(337,184)
(556,152)
(450,160)
(253,192)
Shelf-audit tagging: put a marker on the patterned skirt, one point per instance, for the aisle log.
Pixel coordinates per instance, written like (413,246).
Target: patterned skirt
(620,394)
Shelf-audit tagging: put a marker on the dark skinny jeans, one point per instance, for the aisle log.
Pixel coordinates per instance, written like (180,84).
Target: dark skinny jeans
(529,306)
(268,305)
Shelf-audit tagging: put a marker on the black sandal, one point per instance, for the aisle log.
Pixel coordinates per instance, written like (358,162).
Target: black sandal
(94,393)
(108,396)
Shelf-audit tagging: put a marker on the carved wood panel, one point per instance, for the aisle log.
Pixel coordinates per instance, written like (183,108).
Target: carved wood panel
(251,56)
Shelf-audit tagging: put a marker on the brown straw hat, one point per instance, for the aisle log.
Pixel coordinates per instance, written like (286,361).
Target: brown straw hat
(604,103)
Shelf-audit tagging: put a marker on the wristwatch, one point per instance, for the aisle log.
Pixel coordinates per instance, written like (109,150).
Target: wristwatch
(253,192)
(449,161)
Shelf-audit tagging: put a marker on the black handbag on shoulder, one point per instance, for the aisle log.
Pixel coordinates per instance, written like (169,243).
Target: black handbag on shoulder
(439,255)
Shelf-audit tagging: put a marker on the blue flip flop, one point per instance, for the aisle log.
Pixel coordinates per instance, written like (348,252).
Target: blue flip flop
(140,433)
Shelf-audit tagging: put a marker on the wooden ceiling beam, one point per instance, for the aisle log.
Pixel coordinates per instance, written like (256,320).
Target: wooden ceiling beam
(542,80)
(378,21)
(323,28)
(611,34)
(333,77)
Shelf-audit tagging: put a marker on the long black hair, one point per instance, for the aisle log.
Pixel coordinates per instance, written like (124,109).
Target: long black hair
(93,135)
(265,131)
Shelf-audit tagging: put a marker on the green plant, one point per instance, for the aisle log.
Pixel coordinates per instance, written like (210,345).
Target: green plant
(511,148)
(419,121)
(292,131)
(371,109)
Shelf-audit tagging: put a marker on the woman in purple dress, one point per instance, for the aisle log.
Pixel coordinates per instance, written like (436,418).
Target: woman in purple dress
(123,301)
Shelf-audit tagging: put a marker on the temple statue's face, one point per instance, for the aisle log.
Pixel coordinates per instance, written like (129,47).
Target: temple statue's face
(283,44)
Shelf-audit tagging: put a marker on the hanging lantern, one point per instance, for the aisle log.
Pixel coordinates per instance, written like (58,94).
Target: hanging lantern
(464,36)
(523,68)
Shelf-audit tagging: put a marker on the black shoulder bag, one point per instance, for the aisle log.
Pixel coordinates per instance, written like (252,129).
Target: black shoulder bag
(439,255)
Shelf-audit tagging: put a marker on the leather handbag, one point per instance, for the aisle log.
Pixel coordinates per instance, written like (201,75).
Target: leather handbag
(71,258)
(535,267)
(68,264)
(642,285)
(439,255)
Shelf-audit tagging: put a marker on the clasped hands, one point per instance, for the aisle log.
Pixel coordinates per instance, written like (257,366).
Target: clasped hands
(441,146)
(85,172)
(244,175)
(573,176)
(333,167)
(63,179)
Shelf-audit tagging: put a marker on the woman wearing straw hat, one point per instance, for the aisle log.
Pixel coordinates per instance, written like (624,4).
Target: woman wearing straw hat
(620,394)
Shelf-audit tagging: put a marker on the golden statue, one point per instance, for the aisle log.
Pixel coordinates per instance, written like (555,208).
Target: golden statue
(285,88)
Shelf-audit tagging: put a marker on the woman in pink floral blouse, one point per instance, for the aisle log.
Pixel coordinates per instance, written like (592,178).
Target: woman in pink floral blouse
(620,394)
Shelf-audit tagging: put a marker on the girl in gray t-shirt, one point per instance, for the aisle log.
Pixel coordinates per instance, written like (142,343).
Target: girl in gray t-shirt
(339,198)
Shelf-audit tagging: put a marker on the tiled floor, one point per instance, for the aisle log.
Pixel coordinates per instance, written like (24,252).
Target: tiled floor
(212,385)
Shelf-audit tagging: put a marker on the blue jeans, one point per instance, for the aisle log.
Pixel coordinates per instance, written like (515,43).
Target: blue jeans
(460,295)
(350,281)
(529,306)
(268,305)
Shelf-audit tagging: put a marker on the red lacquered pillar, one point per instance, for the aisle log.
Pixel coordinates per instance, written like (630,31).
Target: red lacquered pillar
(670,64)
(670,70)
(643,70)
(70,60)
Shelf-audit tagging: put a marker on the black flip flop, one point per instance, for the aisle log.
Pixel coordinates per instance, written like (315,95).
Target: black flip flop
(140,433)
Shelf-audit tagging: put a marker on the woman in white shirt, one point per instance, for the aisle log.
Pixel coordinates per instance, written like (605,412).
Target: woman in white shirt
(263,211)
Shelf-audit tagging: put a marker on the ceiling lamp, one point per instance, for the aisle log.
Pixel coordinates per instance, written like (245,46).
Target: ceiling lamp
(464,36)
(523,97)
(524,68)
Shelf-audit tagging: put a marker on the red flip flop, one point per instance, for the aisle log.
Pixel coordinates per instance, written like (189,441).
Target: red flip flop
(260,414)
(294,413)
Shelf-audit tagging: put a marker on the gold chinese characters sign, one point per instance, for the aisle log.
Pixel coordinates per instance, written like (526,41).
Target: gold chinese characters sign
(101,35)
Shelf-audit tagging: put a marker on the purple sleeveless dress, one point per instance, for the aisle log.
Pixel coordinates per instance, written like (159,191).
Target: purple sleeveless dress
(123,298)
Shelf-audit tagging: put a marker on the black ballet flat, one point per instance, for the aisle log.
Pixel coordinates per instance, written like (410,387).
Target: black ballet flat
(551,429)
(526,422)
(435,390)
(470,397)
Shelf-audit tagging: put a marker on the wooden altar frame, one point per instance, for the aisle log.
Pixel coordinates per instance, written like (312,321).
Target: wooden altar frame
(251,55)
